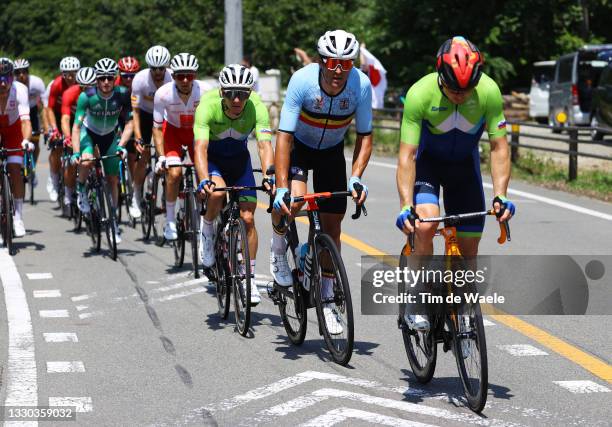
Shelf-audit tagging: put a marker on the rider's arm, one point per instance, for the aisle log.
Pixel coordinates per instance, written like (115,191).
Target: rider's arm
(136,120)
(201,133)
(79,116)
(66,115)
(496,128)
(410,134)
(127,133)
(263,133)
(23,108)
(290,114)
(54,91)
(363,126)
(158,121)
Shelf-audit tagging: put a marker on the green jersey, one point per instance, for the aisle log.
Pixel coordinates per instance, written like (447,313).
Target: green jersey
(101,115)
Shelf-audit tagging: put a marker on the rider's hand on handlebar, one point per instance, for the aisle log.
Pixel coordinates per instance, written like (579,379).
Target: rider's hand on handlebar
(27,145)
(122,152)
(75,159)
(206,186)
(504,208)
(279,204)
(67,141)
(160,165)
(406,218)
(138,144)
(54,134)
(351,187)
(268,183)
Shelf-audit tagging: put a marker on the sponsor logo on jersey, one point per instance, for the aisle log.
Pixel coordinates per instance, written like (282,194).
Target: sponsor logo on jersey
(501,125)
(344,104)
(434,108)
(266,131)
(318,102)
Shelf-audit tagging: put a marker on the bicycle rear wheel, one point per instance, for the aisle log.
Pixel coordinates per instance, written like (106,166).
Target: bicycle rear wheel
(7,215)
(421,347)
(179,244)
(241,275)
(193,227)
(221,268)
(470,348)
(335,310)
(110,222)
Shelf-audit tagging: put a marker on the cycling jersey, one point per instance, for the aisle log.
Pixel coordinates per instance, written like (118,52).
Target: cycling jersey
(101,115)
(169,107)
(36,88)
(11,114)
(228,137)
(319,120)
(45,96)
(70,99)
(58,87)
(449,131)
(143,90)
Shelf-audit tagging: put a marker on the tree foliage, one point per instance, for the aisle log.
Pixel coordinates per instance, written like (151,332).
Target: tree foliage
(404,34)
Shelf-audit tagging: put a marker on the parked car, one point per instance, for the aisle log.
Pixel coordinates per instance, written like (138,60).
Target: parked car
(571,91)
(601,116)
(543,73)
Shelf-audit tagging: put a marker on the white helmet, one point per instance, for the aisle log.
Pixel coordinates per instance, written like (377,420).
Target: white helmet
(106,67)
(157,56)
(184,62)
(21,64)
(69,63)
(338,44)
(236,76)
(86,76)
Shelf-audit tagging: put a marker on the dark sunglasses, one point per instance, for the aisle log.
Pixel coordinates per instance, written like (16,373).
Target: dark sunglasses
(158,68)
(127,75)
(21,71)
(106,78)
(232,94)
(184,76)
(69,73)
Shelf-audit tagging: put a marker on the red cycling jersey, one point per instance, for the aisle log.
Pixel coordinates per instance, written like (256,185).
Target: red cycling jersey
(58,87)
(69,100)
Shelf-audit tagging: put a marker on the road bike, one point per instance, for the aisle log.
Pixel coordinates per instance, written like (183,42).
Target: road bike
(7,206)
(153,201)
(231,272)
(126,193)
(322,260)
(29,174)
(457,326)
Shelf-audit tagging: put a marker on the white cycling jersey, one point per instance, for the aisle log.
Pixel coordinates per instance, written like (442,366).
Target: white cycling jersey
(170,107)
(16,107)
(45,96)
(36,89)
(143,90)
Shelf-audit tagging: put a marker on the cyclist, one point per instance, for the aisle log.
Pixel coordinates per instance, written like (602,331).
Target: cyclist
(173,115)
(15,133)
(95,124)
(223,121)
(68,67)
(144,86)
(36,89)
(86,77)
(322,99)
(445,114)
(128,67)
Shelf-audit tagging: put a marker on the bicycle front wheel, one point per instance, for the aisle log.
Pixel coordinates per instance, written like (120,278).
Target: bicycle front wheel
(193,226)
(179,244)
(7,215)
(470,349)
(241,275)
(109,220)
(292,304)
(333,300)
(221,269)
(95,223)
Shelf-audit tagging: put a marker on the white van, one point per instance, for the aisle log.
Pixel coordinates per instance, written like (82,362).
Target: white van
(543,73)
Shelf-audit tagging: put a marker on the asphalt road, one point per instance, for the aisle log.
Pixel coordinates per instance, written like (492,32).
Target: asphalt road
(137,342)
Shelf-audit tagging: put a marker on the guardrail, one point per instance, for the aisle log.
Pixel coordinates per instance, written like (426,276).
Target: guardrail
(394,115)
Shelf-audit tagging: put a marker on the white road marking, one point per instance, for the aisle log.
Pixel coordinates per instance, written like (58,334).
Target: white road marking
(21,377)
(180,285)
(522,350)
(527,195)
(583,386)
(60,337)
(82,404)
(82,307)
(339,415)
(39,276)
(62,367)
(83,297)
(47,293)
(178,295)
(486,322)
(92,314)
(54,313)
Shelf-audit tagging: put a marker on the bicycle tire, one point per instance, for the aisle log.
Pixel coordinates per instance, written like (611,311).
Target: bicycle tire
(60,192)
(193,227)
(341,349)
(7,215)
(239,253)
(110,222)
(130,197)
(475,391)
(295,320)
(145,222)
(94,220)
(223,282)
(179,244)
(418,343)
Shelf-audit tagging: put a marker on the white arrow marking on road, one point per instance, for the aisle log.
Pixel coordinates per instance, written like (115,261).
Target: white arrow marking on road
(60,337)
(53,313)
(82,404)
(339,415)
(21,377)
(522,350)
(39,276)
(583,386)
(65,367)
(47,293)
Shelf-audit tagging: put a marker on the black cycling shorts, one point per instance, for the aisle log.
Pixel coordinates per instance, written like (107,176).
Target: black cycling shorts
(328,171)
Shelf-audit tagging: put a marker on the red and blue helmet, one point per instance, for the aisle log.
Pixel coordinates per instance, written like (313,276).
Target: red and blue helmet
(459,64)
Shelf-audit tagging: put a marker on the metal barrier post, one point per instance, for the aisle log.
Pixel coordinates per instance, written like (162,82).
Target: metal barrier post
(514,138)
(573,158)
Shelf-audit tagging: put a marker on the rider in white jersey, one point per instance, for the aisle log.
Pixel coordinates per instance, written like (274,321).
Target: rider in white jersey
(170,108)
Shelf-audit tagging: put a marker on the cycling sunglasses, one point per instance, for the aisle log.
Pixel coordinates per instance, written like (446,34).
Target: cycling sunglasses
(127,75)
(106,78)
(184,76)
(333,63)
(21,71)
(158,68)
(69,73)
(231,94)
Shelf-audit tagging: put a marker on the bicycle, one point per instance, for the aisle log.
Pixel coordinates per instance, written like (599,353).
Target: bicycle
(232,269)
(52,145)
(7,206)
(71,210)
(456,326)
(29,173)
(126,192)
(187,219)
(321,257)
(101,214)
(153,201)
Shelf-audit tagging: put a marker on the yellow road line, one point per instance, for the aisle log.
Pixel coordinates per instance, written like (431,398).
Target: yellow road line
(589,362)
